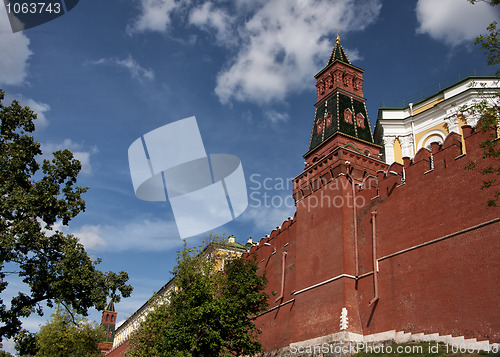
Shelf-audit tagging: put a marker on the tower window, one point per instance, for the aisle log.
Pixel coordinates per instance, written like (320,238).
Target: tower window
(348,116)
(360,120)
(321,88)
(328,119)
(319,126)
(329,81)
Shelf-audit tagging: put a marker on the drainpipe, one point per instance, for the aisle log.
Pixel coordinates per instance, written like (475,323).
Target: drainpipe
(283,257)
(375,263)
(356,269)
(413,130)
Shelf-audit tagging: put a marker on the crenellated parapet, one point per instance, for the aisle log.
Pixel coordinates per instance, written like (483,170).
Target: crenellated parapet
(438,160)
(370,172)
(341,160)
(285,226)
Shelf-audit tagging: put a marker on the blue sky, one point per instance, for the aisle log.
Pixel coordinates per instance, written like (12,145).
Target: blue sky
(109,71)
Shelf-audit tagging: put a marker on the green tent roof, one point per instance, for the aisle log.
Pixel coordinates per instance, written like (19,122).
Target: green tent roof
(338,53)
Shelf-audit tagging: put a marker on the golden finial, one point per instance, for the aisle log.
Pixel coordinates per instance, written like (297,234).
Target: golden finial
(338,37)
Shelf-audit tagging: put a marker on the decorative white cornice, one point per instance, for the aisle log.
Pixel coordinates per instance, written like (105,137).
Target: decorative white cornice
(406,145)
(452,124)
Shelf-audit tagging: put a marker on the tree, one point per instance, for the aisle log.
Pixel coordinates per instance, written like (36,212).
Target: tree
(490,43)
(209,313)
(487,111)
(66,335)
(54,267)
(490,2)
(26,343)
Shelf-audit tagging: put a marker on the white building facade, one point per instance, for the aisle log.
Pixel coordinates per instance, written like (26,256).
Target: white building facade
(404,131)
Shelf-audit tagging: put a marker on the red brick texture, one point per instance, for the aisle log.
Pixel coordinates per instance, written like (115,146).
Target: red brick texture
(119,351)
(437,244)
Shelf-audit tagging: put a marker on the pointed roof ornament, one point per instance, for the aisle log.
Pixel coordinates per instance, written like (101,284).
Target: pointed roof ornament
(338,53)
(111,306)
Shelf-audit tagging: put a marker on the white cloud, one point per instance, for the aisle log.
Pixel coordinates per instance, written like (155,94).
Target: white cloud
(130,64)
(9,345)
(14,53)
(79,152)
(144,234)
(277,43)
(268,218)
(209,18)
(283,41)
(276,117)
(154,15)
(353,54)
(454,22)
(91,237)
(38,107)
(141,234)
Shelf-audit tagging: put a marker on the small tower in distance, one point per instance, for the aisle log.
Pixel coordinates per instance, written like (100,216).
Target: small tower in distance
(108,321)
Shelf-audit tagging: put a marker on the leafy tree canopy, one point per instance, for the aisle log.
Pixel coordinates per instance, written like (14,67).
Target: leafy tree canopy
(26,343)
(54,267)
(487,111)
(208,313)
(491,2)
(67,335)
(490,43)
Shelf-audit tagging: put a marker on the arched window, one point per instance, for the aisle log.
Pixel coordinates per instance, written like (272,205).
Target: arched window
(348,116)
(430,137)
(360,120)
(319,126)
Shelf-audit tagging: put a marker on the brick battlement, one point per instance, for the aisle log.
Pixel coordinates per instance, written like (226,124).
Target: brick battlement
(285,226)
(332,166)
(442,159)
(376,183)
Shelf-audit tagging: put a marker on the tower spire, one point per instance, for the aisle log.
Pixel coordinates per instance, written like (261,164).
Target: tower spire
(341,117)
(338,53)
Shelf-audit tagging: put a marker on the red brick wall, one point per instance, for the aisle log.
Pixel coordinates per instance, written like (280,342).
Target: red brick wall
(449,287)
(119,351)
